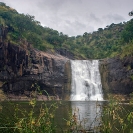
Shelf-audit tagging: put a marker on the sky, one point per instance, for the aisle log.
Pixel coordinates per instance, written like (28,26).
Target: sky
(74,17)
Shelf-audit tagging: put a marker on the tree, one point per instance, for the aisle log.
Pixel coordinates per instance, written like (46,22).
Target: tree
(127,33)
(130,13)
(2,4)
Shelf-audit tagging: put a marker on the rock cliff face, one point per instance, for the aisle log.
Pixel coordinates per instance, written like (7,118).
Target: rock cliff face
(117,75)
(22,66)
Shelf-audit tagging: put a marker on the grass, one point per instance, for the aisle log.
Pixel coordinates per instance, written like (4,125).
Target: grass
(2,95)
(21,120)
(40,118)
(116,118)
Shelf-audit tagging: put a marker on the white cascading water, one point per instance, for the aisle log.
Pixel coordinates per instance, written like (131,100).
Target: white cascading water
(86,81)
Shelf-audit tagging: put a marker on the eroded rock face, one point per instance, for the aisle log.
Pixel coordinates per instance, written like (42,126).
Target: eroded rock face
(117,75)
(22,66)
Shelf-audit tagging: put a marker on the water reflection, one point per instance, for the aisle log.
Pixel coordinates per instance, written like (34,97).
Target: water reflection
(88,113)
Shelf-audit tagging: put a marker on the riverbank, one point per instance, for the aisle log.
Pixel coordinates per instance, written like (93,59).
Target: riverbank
(13,97)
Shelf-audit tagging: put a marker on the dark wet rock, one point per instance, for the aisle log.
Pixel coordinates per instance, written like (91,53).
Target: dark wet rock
(22,66)
(117,75)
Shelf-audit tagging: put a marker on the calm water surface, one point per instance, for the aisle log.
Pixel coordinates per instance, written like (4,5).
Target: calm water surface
(87,112)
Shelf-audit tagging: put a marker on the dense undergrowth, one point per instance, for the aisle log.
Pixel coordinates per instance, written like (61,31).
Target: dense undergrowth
(114,39)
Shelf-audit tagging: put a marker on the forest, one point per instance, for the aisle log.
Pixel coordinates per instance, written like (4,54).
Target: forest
(113,40)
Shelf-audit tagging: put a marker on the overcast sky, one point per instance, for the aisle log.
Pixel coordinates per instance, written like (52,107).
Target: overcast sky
(74,17)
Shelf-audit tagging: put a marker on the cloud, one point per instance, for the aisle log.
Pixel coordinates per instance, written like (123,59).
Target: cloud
(113,18)
(93,17)
(74,17)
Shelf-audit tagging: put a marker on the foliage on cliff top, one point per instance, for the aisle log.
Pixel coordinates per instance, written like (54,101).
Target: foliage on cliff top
(103,43)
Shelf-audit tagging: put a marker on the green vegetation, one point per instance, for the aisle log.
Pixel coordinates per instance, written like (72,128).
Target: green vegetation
(131,77)
(27,121)
(116,118)
(39,118)
(113,40)
(2,95)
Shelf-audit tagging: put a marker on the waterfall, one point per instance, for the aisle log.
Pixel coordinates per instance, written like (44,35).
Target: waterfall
(86,80)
